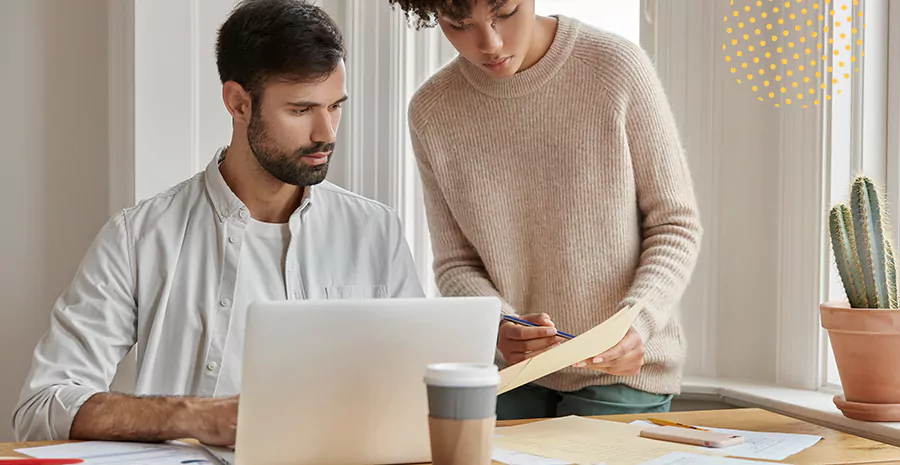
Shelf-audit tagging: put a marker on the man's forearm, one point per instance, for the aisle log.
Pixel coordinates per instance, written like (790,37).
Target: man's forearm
(117,417)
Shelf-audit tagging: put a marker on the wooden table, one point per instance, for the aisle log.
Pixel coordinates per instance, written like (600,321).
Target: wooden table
(835,448)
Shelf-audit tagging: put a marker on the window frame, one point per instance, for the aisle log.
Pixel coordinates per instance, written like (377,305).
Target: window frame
(875,115)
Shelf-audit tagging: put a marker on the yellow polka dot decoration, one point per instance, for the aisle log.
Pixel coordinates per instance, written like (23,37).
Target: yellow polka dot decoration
(793,52)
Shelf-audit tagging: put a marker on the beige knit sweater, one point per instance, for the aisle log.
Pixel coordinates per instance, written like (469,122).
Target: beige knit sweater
(565,190)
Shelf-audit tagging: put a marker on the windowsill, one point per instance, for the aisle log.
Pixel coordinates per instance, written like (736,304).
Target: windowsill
(812,406)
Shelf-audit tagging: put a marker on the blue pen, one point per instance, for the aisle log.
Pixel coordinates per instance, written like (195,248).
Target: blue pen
(528,323)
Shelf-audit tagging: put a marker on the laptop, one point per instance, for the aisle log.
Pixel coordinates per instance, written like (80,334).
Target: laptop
(341,381)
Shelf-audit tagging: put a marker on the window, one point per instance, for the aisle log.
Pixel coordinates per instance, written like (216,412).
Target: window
(620,17)
(858,120)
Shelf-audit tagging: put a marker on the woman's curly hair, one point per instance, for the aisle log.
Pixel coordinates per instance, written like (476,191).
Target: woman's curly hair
(423,13)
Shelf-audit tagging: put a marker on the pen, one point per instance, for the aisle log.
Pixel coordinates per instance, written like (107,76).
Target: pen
(528,323)
(659,422)
(36,461)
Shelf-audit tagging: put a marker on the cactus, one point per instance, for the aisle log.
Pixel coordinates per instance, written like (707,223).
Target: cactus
(862,249)
(844,245)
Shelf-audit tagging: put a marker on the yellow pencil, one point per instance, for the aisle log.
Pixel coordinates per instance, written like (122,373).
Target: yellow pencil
(659,422)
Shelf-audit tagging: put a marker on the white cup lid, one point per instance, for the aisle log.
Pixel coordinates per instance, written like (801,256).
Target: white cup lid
(462,375)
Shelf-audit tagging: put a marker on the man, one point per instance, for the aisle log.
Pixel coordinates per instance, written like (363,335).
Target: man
(176,273)
(554,177)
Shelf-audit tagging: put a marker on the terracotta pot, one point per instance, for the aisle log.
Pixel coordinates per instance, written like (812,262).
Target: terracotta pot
(866,345)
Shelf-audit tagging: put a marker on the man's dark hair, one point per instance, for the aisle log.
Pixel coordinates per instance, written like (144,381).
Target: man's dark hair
(288,40)
(424,13)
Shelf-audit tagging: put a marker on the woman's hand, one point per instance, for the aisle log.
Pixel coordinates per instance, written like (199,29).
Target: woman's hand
(517,343)
(625,359)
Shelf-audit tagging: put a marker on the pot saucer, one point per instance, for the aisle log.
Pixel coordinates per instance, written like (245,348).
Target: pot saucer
(867,412)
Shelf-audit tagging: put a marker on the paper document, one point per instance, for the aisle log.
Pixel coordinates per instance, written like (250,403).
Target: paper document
(764,446)
(580,440)
(681,458)
(510,457)
(590,344)
(123,453)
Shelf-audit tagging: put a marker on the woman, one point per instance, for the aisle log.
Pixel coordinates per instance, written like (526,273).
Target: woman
(554,178)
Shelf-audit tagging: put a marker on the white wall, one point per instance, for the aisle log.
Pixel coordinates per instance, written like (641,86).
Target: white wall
(54,179)
(732,144)
(180,119)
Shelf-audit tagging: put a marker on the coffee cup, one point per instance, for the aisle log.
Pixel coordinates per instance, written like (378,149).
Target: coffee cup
(462,405)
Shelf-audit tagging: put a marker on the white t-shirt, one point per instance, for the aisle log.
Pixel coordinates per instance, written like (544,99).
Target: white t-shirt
(260,276)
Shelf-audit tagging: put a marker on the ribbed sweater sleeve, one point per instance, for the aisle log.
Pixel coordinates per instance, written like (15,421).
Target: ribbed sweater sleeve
(671,220)
(458,268)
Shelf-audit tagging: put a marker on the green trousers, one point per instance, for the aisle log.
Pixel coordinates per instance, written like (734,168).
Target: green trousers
(532,401)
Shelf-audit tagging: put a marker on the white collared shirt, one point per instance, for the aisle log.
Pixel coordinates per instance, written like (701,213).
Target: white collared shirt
(163,274)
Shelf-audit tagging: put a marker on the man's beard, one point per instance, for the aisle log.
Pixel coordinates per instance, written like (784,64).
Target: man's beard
(286,167)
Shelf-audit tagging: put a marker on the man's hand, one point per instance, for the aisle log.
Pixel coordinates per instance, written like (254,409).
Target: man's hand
(517,342)
(118,417)
(625,359)
(213,421)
